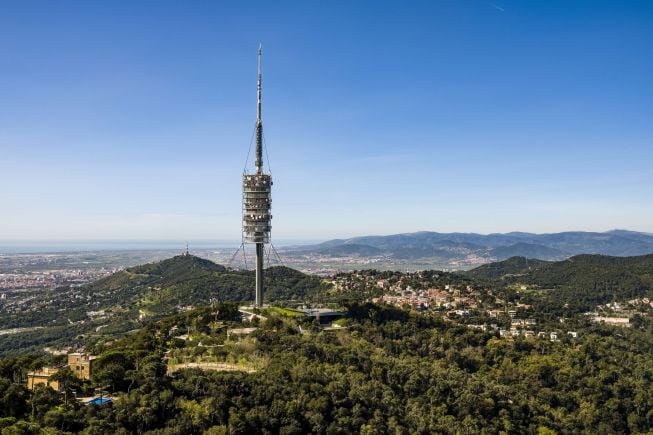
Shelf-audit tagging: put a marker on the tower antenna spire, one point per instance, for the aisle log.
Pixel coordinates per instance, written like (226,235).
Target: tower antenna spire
(259,121)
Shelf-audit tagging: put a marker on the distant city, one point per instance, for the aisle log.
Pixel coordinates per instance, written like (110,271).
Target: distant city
(36,266)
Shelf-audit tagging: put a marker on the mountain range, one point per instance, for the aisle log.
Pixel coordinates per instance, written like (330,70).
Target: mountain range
(460,247)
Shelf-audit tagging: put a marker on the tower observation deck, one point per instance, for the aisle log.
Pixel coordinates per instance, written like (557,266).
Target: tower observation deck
(257,200)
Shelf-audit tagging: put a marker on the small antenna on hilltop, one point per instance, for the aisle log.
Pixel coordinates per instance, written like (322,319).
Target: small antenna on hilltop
(187,253)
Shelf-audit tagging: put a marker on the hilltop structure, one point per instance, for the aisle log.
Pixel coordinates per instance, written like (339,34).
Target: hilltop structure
(81,364)
(43,376)
(257,200)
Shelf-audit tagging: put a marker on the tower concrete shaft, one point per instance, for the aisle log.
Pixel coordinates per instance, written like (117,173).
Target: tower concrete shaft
(259,276)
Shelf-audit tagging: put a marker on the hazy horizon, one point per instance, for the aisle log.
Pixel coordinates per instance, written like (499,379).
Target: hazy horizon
(62,245)
(28,246)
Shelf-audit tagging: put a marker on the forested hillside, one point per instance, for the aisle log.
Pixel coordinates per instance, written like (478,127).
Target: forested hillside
(391,371)
(578,283)
(159,287)
(122,301)
(382,369)
(503,269)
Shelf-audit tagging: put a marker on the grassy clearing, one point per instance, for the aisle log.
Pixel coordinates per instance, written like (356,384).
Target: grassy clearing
(283,311)
(341,322)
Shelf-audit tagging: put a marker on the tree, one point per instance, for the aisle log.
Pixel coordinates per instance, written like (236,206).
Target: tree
(13,399)
(43,398)
(67,382)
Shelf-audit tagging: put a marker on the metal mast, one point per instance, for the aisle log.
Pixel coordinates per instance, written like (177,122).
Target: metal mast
(257,200)
(259,122)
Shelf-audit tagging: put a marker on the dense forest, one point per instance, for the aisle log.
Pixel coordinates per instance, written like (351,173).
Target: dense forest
(389,371)
(501,270)
(574,285)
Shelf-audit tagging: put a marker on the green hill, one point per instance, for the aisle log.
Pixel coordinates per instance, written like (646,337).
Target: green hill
(179,266)
(182,280)
(123,300)
(528,250)
(511,266)
(578,283)
(584,281)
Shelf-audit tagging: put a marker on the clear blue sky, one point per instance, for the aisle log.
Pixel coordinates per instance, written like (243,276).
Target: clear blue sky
(132,120)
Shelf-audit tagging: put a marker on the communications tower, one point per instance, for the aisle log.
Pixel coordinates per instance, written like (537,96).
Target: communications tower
(257,200)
